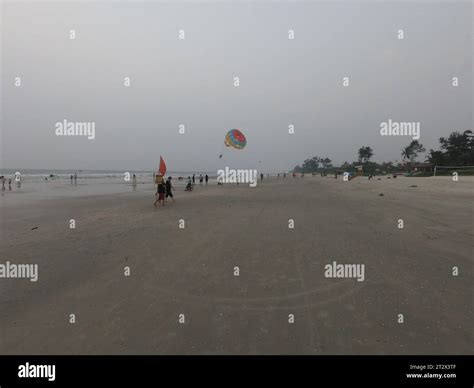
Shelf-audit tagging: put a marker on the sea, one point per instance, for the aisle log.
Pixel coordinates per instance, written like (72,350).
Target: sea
(55,174)
(39,184)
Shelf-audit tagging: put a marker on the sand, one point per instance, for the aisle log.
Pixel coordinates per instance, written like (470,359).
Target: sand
(190,271)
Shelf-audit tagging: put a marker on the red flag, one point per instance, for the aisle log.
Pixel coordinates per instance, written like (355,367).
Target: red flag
(162,169)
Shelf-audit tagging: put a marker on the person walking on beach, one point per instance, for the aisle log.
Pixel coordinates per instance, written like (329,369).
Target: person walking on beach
(160,194)
(75,177)
(10,184)
(71,178)
(207,178)
(261,177)
(194,181)
(200,179)
(169,187)
(3,182)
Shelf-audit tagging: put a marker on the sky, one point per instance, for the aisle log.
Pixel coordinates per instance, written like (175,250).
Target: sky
(283,81)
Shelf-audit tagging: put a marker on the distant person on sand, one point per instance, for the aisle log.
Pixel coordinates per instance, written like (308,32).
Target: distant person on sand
(200,179)
(189,185)
(169,187)
(261,177)
(134,182)
(10,184)
(75,177)
(160,194)
(3,182)
(194,181)
(207,178)
(72,177)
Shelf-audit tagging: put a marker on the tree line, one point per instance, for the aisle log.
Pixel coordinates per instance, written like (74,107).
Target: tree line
(455,150)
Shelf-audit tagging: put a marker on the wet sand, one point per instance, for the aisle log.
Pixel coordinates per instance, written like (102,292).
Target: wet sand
(190,271)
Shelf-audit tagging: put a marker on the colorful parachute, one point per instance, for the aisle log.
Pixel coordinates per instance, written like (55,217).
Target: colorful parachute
(236,139)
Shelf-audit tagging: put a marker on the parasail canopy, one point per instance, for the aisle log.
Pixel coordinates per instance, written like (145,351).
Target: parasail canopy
(235,138)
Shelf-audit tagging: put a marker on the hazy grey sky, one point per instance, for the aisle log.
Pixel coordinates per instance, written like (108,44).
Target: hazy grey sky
(190,81)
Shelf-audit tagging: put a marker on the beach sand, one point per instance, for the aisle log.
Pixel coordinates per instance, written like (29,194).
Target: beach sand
(190,271)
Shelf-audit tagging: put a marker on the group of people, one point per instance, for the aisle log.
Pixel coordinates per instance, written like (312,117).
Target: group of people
(165,187)
(201,178)
(164,190)
(4,181)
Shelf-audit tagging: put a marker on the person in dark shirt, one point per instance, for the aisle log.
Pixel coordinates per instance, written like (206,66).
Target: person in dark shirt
(207,178)
(169,188)
(160,194)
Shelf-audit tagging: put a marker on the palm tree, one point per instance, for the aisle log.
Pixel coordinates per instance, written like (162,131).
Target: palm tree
(407,153)
(411,151)
(365,153)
